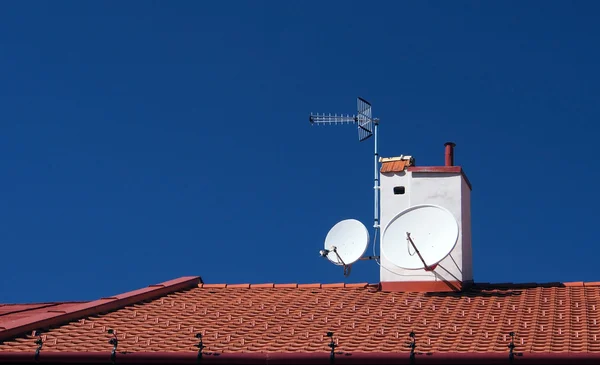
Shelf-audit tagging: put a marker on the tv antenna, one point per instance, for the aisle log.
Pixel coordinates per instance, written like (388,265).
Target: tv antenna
(367,126)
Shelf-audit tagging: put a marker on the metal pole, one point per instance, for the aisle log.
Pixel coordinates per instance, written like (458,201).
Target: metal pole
(376,175)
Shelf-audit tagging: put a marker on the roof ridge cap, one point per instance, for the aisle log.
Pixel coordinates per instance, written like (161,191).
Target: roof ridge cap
(282,285)
(33,307)
(47,303)
(85,309)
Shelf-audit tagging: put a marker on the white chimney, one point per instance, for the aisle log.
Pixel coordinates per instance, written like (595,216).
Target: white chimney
(404,185)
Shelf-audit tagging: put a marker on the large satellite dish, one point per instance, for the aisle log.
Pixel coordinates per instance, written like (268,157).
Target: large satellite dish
(419,237)
(346,242)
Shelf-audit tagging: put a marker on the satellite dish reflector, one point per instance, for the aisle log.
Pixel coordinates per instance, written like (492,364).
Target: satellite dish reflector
(419,237)
(348,241)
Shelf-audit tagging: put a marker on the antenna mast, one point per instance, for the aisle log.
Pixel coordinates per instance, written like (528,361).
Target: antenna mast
(367,127)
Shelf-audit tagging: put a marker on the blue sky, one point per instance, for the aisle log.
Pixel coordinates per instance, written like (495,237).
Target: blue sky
(142,141)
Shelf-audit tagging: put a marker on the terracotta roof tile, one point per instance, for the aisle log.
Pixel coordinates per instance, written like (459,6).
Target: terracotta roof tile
(393,166)
(242,318)
(240,286)
(270,285)
(334,285)
(309,285)
(286,285)
(357,285)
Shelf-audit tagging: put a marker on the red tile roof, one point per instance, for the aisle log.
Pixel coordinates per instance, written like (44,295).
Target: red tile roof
(41,319)
(12,312)
(294,318)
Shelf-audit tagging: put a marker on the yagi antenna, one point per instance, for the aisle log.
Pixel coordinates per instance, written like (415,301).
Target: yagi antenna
(367,127)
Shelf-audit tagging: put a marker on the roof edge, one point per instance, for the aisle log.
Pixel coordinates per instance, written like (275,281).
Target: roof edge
(32,307)
(42,320)
(45,303)
(300,358)
(442,169)
(284,286)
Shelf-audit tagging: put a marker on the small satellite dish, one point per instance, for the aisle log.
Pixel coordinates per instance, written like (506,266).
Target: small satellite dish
(419,237)
(346,242)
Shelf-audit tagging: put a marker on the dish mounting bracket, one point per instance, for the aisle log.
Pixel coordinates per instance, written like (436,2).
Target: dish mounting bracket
(425,266)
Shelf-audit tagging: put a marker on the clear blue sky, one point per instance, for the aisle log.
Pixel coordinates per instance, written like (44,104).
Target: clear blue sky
(142,141)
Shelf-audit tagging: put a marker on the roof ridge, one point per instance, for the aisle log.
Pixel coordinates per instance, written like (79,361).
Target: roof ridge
(85,309)
(475,286)
(46,303)
(286,285)
(549,284)
(32,307)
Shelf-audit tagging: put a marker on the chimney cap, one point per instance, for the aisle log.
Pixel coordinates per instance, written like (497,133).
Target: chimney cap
(450,143)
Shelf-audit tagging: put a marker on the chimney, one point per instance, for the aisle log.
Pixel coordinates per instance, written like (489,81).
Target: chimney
(450,153)
(405,186)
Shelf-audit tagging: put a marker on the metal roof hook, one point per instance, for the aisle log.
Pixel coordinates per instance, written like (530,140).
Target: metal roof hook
(115,342)
(511,346)
(412,345)
(40,343)
(332,345)
(200,346)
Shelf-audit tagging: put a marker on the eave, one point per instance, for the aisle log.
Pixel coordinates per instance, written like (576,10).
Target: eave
(297,358)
